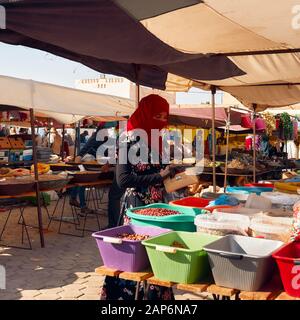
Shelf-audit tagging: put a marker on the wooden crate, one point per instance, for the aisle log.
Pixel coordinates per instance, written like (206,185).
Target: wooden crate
(4,143)
(16,143)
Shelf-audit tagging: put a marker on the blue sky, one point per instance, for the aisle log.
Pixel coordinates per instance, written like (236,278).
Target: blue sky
(22,62)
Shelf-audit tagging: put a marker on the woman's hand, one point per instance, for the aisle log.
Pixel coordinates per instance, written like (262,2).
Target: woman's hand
(165,173)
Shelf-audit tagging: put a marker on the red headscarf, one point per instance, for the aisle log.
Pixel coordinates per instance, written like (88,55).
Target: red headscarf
(144,116)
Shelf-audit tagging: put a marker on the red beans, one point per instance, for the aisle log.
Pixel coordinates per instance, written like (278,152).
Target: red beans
(157,212)
(133,236)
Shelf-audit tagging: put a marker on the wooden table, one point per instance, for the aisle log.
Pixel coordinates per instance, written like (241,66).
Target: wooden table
(138,277)
(271,291)
(268,292)
(221,293)
(30,194)
(285,296)
(99,183)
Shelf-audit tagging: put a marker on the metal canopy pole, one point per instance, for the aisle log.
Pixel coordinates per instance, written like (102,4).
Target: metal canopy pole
(36,177)
(77,139)
(49,129)
(137,95)
(137,85)
(62,152)
(213,102)
(254,144)
(227,149)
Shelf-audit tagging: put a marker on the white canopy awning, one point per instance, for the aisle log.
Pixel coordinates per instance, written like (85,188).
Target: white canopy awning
(226,26)
(256,35)
(63,104)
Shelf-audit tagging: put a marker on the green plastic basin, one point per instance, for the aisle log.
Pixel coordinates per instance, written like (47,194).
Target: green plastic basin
(176,264)
(182,222)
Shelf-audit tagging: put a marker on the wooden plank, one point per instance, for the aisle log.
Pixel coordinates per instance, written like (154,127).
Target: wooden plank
(33,194)
(285,296)
(94,184)
(195,288)
(104,271)
(258,295)
(28,194)
(226,292)
(268,292)
(136,276)
(157,282)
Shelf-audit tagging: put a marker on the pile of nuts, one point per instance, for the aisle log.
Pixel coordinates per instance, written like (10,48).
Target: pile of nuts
(157,212)
(133,236)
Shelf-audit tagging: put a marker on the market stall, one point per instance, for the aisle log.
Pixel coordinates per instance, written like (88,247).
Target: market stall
(62,104)
(239,64)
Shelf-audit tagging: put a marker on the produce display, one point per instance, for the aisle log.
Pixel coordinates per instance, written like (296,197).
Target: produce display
(209,164)
(271,228)
(157,212)
(291,187)
(7,172)
(236,164)
(270,123)
(222,224)
(133,236)
(55,158)
(286,127)
(189,160)
(42,168)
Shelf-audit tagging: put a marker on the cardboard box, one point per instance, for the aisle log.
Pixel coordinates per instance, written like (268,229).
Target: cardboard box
(180,181)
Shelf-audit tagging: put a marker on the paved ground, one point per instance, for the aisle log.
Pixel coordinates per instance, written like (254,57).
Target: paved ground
(64,269)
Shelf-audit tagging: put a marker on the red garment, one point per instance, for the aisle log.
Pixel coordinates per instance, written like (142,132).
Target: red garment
(206,148)
(152,113)
(295,127)
(249,143)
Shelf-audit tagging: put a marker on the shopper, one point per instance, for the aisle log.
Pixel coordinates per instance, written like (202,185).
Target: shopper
(79,192)
(83,138)
(143,184)
(91,145)
(55,141)
(115,192)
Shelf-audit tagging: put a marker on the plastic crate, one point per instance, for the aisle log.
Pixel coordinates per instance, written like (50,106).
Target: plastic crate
(222,224)
(272,228)
(260,185)
(288,261)
(248,190)
(180,222)
(193,202)
(125,255)
(176,264)
(242,263)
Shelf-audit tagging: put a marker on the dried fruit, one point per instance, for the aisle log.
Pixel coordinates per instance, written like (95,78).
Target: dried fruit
(133,236)
(177,244)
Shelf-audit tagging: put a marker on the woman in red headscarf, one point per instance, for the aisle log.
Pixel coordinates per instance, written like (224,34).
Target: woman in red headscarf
(142,183)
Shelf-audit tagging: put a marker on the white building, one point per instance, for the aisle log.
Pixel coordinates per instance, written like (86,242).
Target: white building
(121,87)
(115,86)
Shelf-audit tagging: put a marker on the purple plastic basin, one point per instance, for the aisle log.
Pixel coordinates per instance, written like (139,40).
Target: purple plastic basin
(125,255)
